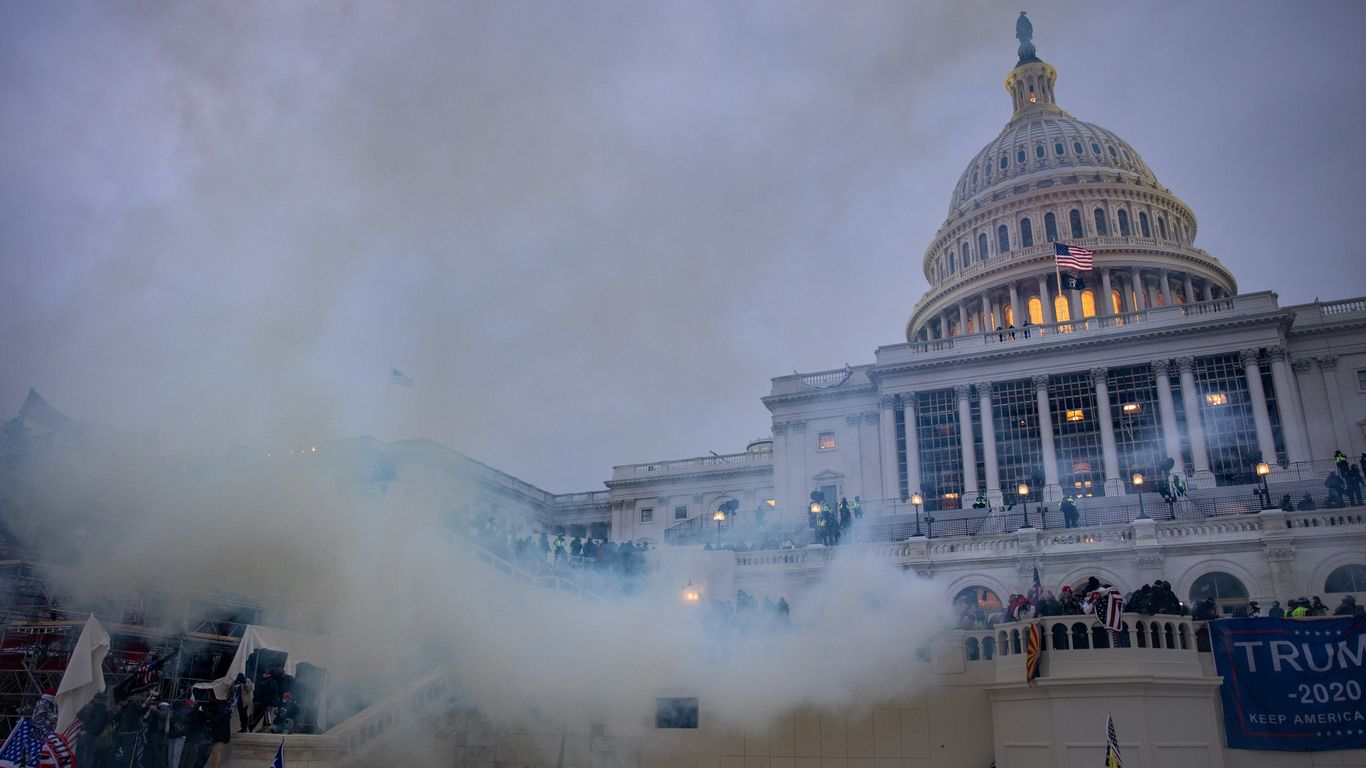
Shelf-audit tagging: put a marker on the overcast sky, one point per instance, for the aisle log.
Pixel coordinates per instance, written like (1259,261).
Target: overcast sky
(590,231)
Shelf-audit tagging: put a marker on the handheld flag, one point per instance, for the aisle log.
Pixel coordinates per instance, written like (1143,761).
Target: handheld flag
(396,377)
(279,761)
(1072,256)
(1033,651)
(84,676)
(1112,758)
(28,747)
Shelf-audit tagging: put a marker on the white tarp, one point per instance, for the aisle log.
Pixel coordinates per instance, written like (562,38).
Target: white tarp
(300,647)
(84,675)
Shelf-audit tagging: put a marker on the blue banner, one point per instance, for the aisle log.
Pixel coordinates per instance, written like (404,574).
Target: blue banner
(1292,684)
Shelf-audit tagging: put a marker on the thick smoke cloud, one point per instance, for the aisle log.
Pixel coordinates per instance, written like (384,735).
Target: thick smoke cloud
(590,231)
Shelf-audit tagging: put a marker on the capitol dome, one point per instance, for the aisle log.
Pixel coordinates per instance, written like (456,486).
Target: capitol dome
(1050,178)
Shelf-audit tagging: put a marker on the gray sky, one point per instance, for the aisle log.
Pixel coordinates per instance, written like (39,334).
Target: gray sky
(591,231)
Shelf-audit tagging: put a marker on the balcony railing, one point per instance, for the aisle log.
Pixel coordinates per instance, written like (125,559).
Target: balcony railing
(737,460)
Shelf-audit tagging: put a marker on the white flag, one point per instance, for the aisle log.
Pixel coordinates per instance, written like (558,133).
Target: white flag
(84,673)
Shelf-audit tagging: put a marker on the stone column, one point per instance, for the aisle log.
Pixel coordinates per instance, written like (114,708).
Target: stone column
(1045,300)
(993,478)
(1328,365)
(1136,284)
(1105,304)
(1319,435)
(1015,304)
(944,321)
(962,318)
(1261,418)
(1150,294)
(1114,485)
(1166,289)
(965,440)
(1052,491)
(1074,306)
(908,409)
(1189,293)
(1288,403)
(1195,431)
(988,323)
(891,478)
(1166,411)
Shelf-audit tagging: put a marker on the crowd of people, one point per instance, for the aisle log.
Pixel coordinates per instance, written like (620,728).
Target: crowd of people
(1344,486)
(747,614)
(561,550)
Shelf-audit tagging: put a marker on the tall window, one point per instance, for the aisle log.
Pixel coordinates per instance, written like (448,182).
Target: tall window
(1020,156)
(941,459)
(1133,411)
(1002,239)
(1074,219)
(1050,227)
(1035,310)
(1123,223)
(1061,310)
(1162,227)
(1226,413)
(1088,303)
(1026,233)
(647,515)
(1015,416)
(680,513)
(964,256)
(1101,228)
(1077,434)
(982,246)
(1143,224)
(1116,301)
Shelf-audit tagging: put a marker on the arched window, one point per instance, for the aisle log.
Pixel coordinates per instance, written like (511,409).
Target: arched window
(1050,227)
(1101,228)
(1005,162)
(1228,593)
(1113,153)
(974,179)
(1074,219)
(1058,149)
(1060,309)
(987,169)
(977,597)
(1026,233)
(1035,310)
(1020,156)
(1095,148)
(1010,315)
(1059,637)
(1143,224)
(1123,223)
(982,246)
(1115,301)
(1002,239)
(1162,227)
(1076,147)
(1088,303)
(1348,578)
(964,254)
(1039,151)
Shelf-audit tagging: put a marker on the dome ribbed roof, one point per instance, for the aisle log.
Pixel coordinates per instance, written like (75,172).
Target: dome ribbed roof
(1085,148)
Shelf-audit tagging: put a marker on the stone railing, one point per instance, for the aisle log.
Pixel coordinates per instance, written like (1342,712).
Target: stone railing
(747,458)
(1081,633)
(363,737)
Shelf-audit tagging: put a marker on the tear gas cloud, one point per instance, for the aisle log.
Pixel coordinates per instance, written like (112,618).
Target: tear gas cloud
(399,599)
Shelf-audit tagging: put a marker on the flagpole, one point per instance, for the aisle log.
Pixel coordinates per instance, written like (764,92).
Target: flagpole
(1057,275)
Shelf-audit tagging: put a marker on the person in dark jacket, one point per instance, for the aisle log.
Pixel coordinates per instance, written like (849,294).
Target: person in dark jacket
(94,717)
(220,731)
(1275,611)
(266,695)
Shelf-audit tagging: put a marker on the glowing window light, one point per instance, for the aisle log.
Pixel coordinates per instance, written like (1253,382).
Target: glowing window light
(1215,399)
(1075,414)
(1131,408)
(951,495)
(771,502)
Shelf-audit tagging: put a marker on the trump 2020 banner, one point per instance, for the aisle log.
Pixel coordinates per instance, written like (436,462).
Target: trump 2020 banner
(1292,684)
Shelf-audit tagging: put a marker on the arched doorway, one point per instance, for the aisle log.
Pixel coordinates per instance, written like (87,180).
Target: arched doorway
(1228,592)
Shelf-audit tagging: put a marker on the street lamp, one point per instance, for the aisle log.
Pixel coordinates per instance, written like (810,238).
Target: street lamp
(1264,469)
(690,593)
(916,501)
(1023,491)
(719,517)
(1138,483)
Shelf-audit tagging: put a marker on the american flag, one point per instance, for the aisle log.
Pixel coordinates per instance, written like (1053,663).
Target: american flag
(279,761)
(28,747)
(1112,758)
(1072,256)
(396,377)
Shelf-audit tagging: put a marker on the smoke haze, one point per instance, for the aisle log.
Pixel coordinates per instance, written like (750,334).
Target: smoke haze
(589,231)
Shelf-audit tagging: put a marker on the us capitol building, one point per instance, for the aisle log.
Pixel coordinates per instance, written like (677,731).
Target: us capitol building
(1153,370)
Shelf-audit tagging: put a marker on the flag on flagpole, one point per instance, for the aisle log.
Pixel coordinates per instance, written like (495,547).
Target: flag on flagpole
(396,377)
(1072,256)
(84,676)
(1033,651)
(279,761)
(1035,589)
(1112,758)
(23,747)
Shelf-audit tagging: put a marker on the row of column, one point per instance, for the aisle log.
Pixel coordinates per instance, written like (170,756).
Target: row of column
(1138,290)
(1292,424)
